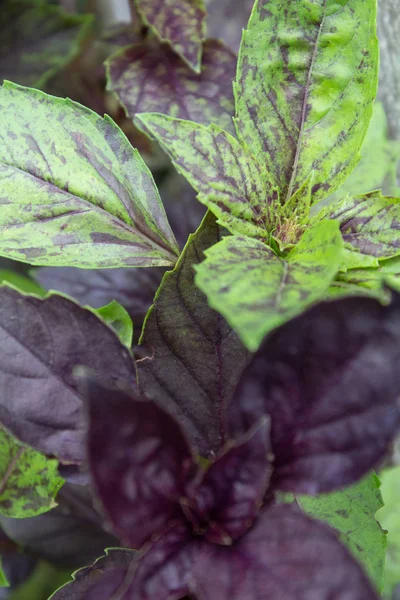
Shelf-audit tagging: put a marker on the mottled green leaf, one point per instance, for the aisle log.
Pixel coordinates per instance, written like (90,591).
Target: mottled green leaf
(307,77)
(181,23)
(29,481)
(229,180)
(389,518)
(256,291)
(370,225)
(372,280)
(21,282)
(37,40)
(179,328)
(149,77)
(379,156)
(73,192)
(118,319)
(352,512)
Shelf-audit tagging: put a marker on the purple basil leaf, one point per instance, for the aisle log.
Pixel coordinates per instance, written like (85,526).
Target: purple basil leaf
(41,341)
(181,23)
(140,462)
(162,572)
(330,382)
(68,536)
(150,77)
(116,562)
(227,18)
(285,556)
(194,358)
(232,489)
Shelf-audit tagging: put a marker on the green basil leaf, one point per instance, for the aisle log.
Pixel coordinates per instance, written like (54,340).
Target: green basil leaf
(73,192)
(256,291)
(307,77)
(389,518)
(118,319)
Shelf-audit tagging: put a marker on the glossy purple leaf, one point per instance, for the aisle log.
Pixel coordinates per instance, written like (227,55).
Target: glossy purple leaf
(285,556)
(231,491)
(139,460)
(150,77)
(181,23)
(330,382)
(227,19)
(192,357)
(41,341)
(115,562)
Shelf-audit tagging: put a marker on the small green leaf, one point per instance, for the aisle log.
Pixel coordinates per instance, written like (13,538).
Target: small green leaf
(21,282)
(181,23)
(256,291)
(118,319)
(370,225)
(373,280)
(73,192)
(29,481)
(229,180)
(3,579)
(37,40)
(389,518)
(351,511)
(307,77)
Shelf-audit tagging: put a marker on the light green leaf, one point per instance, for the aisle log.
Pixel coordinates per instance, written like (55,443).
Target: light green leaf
(229,180)
(389,518)
(29,481)
(370,225)
(118,319)
(307,77)
(3,579)
(256,291)
(351,511)
(378,162)
(72,189)
(373,280)
(21,282)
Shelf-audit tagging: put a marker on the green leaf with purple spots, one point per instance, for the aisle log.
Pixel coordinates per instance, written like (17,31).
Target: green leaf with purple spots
(370,225)
(149,77)
(370,281)
(73,192)
(307,77)
(29,481)
(256,291)
(230,181)
(181,23)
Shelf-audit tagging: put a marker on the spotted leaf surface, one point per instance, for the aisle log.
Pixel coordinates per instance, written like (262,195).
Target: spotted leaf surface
(256,291)
(370,225)
(229,180)
(73,191)
(181,23)
(150,77)
(307,77)
(180,328)
(29,481)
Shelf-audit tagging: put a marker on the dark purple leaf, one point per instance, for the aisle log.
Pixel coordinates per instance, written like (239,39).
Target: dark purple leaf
(150,77)
(231,491)
(116,562)
(69,536)
(181,23)
(285,556)
(140,462)
(227,18)
(41,341)
(194,358)
(330,382)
